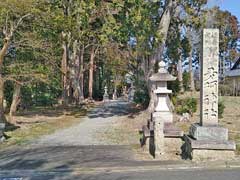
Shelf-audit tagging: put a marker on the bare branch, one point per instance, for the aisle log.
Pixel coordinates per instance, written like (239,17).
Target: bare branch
(20,21)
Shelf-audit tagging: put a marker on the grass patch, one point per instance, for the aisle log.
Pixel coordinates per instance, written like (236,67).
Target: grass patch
(238,149)
(41,121)
(236,138)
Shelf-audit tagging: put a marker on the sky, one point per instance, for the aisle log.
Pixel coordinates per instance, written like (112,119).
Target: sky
(232,6)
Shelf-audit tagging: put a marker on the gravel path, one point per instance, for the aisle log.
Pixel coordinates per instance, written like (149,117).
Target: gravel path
(87,132)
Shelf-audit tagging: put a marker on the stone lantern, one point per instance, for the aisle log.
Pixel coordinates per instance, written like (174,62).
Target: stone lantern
(162,118)
(163,108)
(105,96)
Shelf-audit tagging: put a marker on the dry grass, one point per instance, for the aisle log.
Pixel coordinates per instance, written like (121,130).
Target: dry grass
(230,120)
(40,121)
(127,130)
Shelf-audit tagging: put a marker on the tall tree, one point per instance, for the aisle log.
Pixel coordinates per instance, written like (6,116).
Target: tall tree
(13,15)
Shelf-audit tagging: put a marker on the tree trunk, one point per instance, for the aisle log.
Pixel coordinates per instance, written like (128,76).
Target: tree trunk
(91,66)
(81,74)
(153,98)
(192,84)
(15,100)
(64,72)
(191,75)
(180,74)
(3,52)
(75,71)
(163,28)
(163,32)
(2,116)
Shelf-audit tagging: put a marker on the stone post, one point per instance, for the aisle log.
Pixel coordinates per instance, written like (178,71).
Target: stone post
(207,139)
(209,78)
(158,137)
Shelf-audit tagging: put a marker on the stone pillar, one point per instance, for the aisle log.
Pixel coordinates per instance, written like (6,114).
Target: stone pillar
(207,139)
(209,78)
(158,136)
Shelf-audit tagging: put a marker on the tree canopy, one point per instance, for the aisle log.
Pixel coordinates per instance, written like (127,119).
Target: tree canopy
(68,50)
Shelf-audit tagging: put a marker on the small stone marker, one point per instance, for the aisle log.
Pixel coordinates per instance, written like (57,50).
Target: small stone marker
(131,94)
(105,96)
(158,137)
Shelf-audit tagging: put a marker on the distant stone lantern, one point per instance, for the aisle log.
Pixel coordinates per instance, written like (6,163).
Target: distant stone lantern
(105,96)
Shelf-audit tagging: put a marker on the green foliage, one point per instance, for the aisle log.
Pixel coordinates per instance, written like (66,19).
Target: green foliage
(124,33)
(39,95)
(186,47)
(141,95)
(221,108)
(187,105)
(186,81)
(8,92)
(174,86)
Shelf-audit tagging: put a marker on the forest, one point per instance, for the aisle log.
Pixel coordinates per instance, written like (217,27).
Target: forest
(66,51)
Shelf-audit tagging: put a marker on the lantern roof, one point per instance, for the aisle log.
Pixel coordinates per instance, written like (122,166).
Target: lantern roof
(162,74)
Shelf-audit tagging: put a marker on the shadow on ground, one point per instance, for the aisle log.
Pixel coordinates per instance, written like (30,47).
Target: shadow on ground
(53,111)
(61,162)
(62,159)
(114,108)
(56,157)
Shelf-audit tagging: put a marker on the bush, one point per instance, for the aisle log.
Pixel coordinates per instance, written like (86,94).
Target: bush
(225,90)
(186,81)
(174,86)
(221,108)
(187,105)
(141,96)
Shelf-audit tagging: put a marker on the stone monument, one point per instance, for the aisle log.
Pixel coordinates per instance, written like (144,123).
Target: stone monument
(105,96)
(207,138)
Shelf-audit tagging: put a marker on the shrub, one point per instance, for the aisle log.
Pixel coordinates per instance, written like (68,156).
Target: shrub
(187,105)
(141,97)
(225,90)
(186,81)
(174,86)
(221,108)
